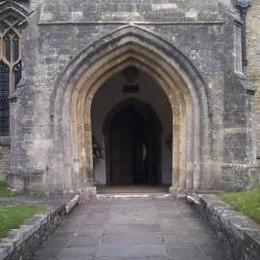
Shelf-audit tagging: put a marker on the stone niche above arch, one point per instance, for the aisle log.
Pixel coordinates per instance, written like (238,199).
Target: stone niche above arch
(174,73)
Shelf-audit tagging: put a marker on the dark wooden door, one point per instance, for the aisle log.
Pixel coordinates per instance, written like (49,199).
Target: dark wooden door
(140,154)
(128,152)
(121,155)
(133,145)
(121,140)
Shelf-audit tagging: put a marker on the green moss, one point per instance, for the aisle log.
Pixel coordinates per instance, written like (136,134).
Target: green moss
(247,202)
(4,192)
(13,216)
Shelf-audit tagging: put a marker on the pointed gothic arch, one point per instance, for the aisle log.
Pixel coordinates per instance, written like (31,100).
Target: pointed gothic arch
(14,10)
(178,78)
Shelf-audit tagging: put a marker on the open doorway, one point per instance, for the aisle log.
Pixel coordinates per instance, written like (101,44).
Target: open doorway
(133,136)
(132,127)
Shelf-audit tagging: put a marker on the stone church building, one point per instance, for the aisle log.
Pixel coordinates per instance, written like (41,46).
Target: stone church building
(129,92)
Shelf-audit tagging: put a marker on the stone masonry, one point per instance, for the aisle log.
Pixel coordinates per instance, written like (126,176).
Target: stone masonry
(238,234)
(4,161)
(193,49)
(253,71)
(4,158)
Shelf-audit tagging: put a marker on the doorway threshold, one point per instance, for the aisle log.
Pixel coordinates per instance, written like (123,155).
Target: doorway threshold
(134,192)
(133,189)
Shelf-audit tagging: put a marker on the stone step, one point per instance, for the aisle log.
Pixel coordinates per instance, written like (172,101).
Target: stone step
(135,195)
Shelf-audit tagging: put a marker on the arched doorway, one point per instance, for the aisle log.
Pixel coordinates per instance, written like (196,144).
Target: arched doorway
(178,78)
(133,130)
(133,144)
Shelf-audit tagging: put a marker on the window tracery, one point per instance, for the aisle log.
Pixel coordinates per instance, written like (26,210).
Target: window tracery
(13,18)
(10,73)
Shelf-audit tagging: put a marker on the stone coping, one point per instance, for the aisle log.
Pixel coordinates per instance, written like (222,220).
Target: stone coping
(23,242)
(239,234)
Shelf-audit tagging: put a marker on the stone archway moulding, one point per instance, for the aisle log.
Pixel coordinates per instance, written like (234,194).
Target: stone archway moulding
(76,87)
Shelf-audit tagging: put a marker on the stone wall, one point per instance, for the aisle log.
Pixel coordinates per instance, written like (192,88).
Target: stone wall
(22,243)
(29,238)
(253,70)
(58,32)
(199,36)
(4,159)
(238,234)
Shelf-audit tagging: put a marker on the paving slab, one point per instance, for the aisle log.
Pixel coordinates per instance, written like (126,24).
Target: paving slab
(128,250)
(133,229)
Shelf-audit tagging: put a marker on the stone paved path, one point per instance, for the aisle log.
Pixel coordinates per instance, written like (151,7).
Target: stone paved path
(128,229)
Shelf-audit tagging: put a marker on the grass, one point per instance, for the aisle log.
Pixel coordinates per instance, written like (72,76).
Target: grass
(247,202)
(13,216)
(4,192)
